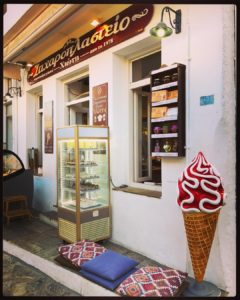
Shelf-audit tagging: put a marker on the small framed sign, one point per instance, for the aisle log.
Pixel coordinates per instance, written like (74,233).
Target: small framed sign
(206,100)
(100,104)
(48,127)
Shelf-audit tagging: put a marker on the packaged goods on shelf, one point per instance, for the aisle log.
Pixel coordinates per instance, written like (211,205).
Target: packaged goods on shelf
(172,94)
(159,112)
(159,95)
(173,111)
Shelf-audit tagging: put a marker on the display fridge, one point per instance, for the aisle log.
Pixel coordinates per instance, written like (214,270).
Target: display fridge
(83,192)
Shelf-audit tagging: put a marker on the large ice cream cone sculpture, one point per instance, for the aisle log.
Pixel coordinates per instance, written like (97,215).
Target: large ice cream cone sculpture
(200,230)
(200,198)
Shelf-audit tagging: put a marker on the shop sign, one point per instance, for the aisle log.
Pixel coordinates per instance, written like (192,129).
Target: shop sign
(128,23)
(100,104)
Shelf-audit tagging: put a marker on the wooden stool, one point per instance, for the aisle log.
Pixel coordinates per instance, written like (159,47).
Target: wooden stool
(17,212)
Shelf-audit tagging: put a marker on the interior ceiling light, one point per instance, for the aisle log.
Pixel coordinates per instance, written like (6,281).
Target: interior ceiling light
(161,29)
(95,22)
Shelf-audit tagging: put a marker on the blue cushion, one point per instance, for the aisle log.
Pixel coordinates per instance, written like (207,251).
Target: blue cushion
(109,265)
(109,284)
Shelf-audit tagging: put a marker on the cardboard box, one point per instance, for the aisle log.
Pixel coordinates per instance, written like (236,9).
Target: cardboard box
(159,95)
(172,94)
(159,112)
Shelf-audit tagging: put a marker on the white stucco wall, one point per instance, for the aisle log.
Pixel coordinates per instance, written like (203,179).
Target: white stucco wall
(208,50)
(154,227)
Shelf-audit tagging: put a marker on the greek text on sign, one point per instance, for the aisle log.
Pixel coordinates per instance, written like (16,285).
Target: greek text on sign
(100,104)
(119,28)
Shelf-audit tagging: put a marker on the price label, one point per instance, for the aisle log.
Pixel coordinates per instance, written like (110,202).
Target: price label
(95,213)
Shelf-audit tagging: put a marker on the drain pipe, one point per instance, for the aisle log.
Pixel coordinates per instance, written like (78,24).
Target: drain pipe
(187,112)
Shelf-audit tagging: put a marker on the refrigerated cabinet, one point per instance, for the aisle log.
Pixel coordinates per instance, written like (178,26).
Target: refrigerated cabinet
(83,183)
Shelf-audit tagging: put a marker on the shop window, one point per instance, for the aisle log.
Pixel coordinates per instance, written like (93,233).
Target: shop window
(7,116)
(9,129)
(78,101)
(141,68)
(40,131)
(146,169)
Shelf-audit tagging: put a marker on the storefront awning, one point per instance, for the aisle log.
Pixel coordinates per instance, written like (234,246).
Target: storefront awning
(11,71)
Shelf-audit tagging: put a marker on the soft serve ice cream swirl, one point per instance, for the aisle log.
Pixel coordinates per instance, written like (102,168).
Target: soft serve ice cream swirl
(200,187)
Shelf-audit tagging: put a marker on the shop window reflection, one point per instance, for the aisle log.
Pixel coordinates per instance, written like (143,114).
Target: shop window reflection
(78,101)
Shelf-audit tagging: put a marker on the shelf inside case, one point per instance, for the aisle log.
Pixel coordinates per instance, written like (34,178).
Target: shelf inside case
(88,164)
(68,189)
(69,178)
(69,163)
(84,204)
(89,203)
(87,176)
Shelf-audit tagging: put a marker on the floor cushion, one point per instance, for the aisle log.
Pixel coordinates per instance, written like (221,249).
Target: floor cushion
(66,263)
(81,252)
(152,281)
(109,284)
(110,265)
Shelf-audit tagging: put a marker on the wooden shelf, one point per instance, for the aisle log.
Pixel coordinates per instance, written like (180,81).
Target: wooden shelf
(154,154)
(176,140)
(164,86)
(164,135)
(164,119)
(173,66)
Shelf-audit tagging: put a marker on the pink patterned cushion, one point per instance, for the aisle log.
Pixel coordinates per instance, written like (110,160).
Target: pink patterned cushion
(81,252)
(152,281)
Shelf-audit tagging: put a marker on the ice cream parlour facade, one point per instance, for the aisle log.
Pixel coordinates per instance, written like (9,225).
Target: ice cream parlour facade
(121,60)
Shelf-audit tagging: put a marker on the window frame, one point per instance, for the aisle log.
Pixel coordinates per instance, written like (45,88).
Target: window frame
(40,129)
(133,86)
(68,105)
(136,138)
(9,117)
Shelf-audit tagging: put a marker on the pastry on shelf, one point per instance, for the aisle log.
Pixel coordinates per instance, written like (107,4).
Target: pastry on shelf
(88,163)
(70,162)
(84,175)
(70,176)
(89,186)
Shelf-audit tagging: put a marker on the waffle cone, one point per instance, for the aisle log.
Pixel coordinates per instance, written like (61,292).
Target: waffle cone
(200,230)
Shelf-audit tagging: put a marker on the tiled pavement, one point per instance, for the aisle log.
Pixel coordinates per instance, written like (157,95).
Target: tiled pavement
(42,240)
(21,279)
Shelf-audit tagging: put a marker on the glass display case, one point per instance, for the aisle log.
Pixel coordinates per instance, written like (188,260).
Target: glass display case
(12,164)
(83,183)
(17,181)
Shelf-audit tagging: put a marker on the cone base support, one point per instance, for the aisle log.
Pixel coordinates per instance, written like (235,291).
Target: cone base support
(201,289)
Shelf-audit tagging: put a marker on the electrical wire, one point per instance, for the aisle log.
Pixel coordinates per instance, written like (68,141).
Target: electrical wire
(117,187)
